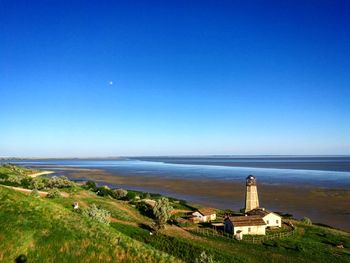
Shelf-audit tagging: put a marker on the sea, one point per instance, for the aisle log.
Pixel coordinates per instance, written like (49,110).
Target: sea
(319,171)
(314,186)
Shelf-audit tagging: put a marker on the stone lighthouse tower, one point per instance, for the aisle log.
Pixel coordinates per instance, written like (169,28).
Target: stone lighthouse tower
(251,195)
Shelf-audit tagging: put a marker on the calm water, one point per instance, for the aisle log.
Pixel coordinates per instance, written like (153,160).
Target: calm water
(330,172)
(329,207)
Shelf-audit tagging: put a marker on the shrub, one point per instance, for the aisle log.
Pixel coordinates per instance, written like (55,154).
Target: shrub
(59,182)
(104,191)
(98,214)
(90,185)
(161,212)
(306,221)
(14,180)
(130,196)
(53,193)
(120,193)
(37,183)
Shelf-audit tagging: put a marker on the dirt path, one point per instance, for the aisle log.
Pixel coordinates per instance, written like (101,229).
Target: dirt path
(28,191)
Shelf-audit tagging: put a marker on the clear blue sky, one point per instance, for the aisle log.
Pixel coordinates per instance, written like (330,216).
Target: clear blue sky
(189,77)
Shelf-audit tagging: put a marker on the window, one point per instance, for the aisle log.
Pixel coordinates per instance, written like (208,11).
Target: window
(276,221)
(267,222)
(248,229)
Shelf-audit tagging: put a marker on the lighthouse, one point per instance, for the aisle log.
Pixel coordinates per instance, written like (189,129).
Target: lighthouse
(251,195)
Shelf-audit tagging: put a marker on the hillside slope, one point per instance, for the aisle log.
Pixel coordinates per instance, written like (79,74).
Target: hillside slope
(48,232)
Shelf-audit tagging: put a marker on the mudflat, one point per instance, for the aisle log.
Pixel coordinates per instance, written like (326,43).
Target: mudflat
(323,205)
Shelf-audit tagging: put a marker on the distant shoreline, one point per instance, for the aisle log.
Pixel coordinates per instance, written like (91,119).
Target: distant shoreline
(322,205)
(336,163)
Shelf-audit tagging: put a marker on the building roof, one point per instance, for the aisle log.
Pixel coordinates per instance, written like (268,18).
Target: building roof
(207,211)
(258,212)
(247,221)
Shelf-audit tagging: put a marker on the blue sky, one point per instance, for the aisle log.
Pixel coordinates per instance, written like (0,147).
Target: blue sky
(189,77)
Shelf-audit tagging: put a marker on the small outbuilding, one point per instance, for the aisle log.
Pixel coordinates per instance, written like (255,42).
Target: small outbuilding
(271,219)
(245,225)
(205,215)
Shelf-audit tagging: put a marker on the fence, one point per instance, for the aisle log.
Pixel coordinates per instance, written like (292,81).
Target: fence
(252,239)
(259,239)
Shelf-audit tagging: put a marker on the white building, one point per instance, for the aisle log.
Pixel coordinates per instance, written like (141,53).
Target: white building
(245,225)
(271,219)
(205,215)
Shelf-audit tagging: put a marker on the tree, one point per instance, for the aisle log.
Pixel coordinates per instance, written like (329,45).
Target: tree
(161,212)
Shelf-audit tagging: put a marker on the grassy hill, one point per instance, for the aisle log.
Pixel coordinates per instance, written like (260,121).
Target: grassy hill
(48,230)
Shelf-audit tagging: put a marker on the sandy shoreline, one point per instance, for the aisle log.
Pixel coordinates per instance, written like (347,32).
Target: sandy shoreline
(41,173)
(322,205)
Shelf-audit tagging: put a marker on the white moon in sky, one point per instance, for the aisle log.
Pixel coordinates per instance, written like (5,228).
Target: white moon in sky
(111,83)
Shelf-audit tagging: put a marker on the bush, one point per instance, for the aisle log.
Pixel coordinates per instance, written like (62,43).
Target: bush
(90,185)
(98,214)
(306,221)
(14,180)
(37,183)
(120,193)
(130,196)
(53,193)
(59,182)
(104,191)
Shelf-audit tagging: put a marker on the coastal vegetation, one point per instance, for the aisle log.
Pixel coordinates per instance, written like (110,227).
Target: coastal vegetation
(117,225)
(161,212)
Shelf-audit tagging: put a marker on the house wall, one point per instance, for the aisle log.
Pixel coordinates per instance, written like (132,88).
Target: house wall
(273,220)
(213,217)
(200,217)
(254,230)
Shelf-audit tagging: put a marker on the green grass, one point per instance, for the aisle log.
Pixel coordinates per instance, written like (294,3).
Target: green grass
(48,232)
(178,247)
